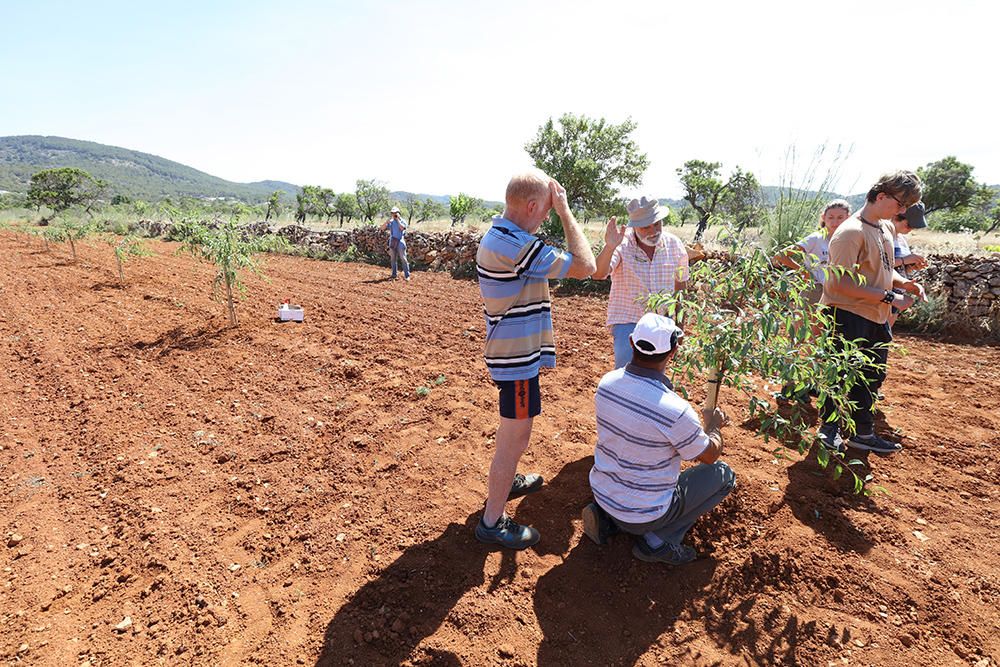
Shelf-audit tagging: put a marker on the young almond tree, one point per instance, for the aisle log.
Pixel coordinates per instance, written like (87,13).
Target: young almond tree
(232,251)
(126,245)
(746,324)
(70,231)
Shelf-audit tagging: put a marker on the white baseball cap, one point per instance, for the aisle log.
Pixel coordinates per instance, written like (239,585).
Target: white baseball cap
(655,334)
(394,209)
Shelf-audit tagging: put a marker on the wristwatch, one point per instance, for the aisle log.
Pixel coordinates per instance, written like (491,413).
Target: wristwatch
(888,297)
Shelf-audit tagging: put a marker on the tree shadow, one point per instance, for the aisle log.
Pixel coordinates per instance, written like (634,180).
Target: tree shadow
(600,606)
(387,618)
(178,339)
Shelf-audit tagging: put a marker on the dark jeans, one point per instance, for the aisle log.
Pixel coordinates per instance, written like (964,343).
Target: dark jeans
(699,489)
(849,326)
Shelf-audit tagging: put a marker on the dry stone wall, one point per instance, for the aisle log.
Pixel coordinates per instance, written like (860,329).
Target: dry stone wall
(972,283)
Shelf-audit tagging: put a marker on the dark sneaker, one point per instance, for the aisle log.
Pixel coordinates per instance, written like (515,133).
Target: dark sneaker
(507,533)
(829,437)
(874,444)
(524,484)
(597,525)
(671,554)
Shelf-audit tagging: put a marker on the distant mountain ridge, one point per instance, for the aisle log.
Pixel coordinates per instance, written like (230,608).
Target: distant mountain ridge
(127,172)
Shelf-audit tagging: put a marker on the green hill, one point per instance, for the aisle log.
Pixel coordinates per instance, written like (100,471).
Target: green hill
(128,172)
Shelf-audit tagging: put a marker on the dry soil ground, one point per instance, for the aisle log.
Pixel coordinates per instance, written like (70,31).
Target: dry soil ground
(176,492)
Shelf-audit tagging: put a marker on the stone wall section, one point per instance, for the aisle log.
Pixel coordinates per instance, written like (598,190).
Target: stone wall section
(968,282)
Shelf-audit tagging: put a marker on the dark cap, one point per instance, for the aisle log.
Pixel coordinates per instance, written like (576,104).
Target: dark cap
(915,216)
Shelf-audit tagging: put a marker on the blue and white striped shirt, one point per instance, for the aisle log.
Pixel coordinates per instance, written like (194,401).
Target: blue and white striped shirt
(514,270)
(644,430)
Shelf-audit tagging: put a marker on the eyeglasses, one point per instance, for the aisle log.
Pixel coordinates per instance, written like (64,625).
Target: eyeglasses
(888,194)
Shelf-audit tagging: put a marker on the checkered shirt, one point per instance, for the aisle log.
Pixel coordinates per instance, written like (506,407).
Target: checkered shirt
(634,276)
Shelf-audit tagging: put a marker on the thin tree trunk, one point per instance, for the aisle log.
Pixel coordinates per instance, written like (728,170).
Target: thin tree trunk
(229,301)
(72,246)
(121,273)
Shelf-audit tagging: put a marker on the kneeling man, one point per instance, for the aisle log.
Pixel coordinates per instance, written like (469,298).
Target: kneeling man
(644,430)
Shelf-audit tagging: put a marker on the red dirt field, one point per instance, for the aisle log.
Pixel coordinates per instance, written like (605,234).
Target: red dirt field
(279,494)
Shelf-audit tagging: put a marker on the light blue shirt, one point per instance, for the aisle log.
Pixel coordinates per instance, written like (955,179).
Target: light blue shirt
(396,228)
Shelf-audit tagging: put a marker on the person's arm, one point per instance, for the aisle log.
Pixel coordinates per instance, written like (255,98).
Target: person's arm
(913,260)
(784,258)
(613,235)
(714,421)
(583,264)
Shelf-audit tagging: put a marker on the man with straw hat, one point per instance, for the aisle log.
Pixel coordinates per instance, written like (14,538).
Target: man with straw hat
(641,259)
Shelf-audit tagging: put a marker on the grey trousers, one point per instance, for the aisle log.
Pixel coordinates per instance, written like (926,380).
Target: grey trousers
(398,255)
(699,489)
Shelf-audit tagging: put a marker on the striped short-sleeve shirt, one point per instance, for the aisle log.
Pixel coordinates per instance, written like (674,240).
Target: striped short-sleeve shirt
(514,271)
(644,430)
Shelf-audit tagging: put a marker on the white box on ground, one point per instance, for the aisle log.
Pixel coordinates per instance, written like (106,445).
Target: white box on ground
(288,312)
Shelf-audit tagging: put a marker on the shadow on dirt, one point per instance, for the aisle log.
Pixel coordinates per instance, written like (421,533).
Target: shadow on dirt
(376,281)
(600,605)
(388,617)
(179,339)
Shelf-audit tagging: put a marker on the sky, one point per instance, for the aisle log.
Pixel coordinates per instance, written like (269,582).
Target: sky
(440,97)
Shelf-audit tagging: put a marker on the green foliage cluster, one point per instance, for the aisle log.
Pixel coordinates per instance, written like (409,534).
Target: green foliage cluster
(591,158)
(460,206)
(62,188)
(225,245)
(751,323)
(955,201)
(711,196)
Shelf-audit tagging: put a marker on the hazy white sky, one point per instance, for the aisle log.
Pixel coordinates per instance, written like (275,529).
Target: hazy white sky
(441,96)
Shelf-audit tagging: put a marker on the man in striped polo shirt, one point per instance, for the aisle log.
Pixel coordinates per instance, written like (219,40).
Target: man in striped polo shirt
(514,271)
(644,430)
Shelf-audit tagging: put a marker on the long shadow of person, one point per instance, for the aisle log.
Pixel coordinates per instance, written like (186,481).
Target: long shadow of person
(384,621)
(600,606)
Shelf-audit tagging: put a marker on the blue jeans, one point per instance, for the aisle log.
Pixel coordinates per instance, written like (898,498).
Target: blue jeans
(623,348)
(698,491)
(398,255)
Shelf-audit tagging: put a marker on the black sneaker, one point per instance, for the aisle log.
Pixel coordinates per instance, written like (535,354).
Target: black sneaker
(671,554)
(874,444)
(524,484)
(507,533)
(829,437)
(597,525)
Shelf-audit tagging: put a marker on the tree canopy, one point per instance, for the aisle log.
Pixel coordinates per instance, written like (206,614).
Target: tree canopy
(948,184)
(63,188)
(591,158)
(372,197)
(710,195)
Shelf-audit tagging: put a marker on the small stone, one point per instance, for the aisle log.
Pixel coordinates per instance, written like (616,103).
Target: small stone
(906,640)
(921,521)
(234,567)
(341,537)
(23,648)
(505,651)
(920,536)
(124,624)
(14,540)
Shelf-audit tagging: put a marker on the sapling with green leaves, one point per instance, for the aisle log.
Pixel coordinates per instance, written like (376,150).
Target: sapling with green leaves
(747,323)
(70,231)
(125,244)
(231,251)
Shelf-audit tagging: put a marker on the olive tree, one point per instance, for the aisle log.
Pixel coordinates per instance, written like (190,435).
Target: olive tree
(460,206)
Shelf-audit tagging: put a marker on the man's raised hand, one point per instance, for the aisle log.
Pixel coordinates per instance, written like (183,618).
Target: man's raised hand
(613,234)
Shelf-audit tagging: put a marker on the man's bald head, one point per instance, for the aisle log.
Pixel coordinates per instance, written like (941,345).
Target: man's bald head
(530,184)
